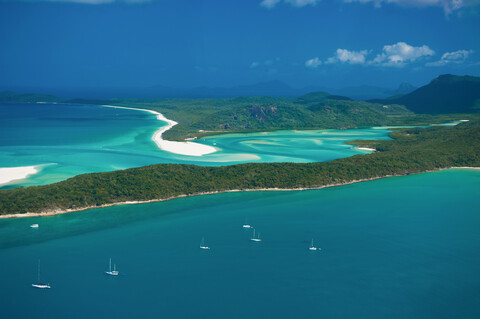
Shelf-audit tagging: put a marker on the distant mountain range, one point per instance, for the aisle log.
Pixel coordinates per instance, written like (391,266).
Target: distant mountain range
(445,94)
(366,92)
(271,88)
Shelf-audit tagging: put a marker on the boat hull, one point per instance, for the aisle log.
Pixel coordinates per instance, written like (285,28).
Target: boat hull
(41,286)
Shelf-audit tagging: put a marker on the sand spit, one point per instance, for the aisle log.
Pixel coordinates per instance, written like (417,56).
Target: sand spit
(183,148)
(10,174)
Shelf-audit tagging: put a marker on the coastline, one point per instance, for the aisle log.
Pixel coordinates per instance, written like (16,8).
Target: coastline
(182,148)
(66,211)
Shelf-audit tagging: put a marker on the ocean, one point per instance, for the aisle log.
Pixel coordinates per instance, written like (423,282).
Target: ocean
(399,247)
(402,247)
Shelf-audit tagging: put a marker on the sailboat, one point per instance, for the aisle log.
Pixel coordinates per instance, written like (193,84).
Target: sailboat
(246,225)
(39,284)
(202,244)
(34,226)
(255,238)
(312,247)
(111,272)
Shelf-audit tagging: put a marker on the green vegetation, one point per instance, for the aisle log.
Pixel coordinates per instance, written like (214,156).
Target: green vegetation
(199,117)
(445,94)
(412,151)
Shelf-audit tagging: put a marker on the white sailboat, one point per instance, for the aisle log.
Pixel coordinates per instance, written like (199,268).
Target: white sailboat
(34,226)
(246,225)
(312,247)
(255,238)
(111,272)
(39,284)
(202,244)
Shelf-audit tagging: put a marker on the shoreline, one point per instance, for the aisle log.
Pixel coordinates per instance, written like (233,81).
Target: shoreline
(66,211)
(182,148)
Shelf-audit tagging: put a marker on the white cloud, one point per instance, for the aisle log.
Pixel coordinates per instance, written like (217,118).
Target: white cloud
(350,57)
(448,5)
(313,63)
(269,4)
(396,55)
(254,65)
(400,54)
(456,57)
(302,3)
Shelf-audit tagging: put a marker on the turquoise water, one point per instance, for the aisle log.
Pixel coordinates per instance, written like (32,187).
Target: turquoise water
(67,140)
(403,247)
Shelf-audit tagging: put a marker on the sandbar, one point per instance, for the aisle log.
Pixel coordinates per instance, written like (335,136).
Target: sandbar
(9,174)
(365,149)
(181,148)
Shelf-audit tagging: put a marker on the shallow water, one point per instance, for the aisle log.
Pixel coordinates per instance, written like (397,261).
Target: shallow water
(403,247)
(68,140)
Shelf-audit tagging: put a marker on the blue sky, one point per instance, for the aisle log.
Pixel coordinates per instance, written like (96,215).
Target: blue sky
(179,43)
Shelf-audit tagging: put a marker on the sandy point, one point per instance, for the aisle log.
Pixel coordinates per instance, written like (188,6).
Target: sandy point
(10,174)
(181,148)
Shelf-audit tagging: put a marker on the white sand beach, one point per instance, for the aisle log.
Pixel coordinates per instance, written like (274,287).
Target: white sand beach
(365,149)
(9,174)
(182,148)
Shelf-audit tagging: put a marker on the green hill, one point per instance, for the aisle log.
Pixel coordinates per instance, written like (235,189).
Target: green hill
(444,94)
(316,97)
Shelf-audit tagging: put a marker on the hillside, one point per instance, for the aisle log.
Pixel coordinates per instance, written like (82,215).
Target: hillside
(312,111)
(444,94)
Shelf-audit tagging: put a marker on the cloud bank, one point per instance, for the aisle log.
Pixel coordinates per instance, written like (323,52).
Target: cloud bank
(455,57)
(448,5)
(346,56)
(399,54)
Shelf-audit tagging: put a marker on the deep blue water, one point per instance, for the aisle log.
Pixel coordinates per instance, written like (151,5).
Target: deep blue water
(403,247)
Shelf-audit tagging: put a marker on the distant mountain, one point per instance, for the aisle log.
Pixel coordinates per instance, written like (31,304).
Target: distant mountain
(445,94)
(9,96)
(404,88)
(367,92)
(316,97)
(270,88)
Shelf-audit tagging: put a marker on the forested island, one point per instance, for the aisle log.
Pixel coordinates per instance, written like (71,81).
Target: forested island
(413,150)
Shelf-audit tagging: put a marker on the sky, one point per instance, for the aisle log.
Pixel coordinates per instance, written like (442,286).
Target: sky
(223,43)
